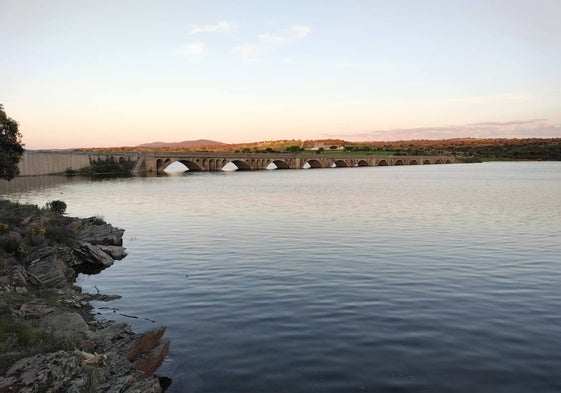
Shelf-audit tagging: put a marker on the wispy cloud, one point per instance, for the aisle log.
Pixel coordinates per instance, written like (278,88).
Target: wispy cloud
(219,27)
(267,42)
(533,128)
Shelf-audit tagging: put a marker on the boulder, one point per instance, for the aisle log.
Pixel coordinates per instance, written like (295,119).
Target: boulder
(51,372)
(16,276)
(103,234)
(149,351)
(48,272)
(116,252)
(89,254)
(64,324)
(34,310)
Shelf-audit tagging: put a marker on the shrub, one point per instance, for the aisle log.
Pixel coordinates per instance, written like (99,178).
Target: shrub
(20,339)
(70,172)
(58,207)
(10,242)
(59,232)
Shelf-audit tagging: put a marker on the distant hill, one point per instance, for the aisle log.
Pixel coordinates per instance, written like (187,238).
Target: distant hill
(183,144)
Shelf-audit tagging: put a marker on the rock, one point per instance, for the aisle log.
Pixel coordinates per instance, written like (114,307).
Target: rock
(42,252)
(48,272)
(64,324)
(31,310)
(106,356)
(100,297)
(12,274)
(149,362)
(116,252)
(148,352)
(52,372)
(92,358)
(104,234)
(87,253)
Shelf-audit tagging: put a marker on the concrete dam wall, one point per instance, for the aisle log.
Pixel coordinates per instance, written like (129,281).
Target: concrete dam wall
(36,163)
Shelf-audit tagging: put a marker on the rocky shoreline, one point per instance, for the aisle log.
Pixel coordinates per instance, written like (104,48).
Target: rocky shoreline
(49,339)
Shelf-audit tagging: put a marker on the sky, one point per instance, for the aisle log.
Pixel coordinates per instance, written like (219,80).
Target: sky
(81,73)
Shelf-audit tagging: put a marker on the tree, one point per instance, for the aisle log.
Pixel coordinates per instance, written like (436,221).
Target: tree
(11,147)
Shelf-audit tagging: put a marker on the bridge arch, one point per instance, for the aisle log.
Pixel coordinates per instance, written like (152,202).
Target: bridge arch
(314,163)
(241,165)
(220,163)
(362,163)
(382,163)
(162,164)
(448,161)
(398,162)
(280,164)
(413,162)
(427,162)
(340,164)
(438,161)
(190,165)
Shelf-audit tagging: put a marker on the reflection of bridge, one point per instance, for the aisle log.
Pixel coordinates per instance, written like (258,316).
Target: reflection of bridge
(156,162)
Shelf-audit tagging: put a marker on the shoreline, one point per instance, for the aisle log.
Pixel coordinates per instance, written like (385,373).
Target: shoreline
(49,338)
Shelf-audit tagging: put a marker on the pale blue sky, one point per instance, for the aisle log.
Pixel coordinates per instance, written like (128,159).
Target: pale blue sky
(108,73)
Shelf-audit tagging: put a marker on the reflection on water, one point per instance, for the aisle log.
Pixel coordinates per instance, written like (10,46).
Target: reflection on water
(20,185)
(386,279)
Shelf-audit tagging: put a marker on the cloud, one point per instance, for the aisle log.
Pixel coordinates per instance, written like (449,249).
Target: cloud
(193,50)
(533,128)
(267,42)
(219,27)
(301,31)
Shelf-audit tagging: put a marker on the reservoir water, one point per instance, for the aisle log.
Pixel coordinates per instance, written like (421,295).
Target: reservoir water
(432,278)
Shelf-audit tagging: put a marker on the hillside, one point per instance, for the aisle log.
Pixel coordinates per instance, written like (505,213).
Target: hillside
(465,149)
(183,144)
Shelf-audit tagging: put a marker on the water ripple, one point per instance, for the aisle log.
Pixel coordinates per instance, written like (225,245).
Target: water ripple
(394,279)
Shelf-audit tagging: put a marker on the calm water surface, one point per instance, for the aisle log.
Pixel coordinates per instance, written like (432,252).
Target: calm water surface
(388,279)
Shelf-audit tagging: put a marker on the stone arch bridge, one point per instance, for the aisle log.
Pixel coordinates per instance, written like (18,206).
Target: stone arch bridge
(156,162)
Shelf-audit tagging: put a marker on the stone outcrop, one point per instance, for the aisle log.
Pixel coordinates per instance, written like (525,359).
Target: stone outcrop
(148,351)
(49,272)
(104,356)
(89,254)
(115,252)
(100,233)
(51,372)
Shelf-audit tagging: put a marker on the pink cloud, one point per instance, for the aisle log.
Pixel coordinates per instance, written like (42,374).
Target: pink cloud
(534,128)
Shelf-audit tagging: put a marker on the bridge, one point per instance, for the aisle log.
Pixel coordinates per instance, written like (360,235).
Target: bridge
(36,163)
(156,162)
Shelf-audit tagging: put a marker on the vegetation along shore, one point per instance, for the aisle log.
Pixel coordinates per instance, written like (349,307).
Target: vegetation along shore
(464,149)
(49,339)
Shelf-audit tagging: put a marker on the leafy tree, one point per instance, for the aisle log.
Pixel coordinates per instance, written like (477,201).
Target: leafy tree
(11,147)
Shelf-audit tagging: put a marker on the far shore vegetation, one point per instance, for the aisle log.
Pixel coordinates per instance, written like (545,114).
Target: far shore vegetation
(464,149)
(105,167)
